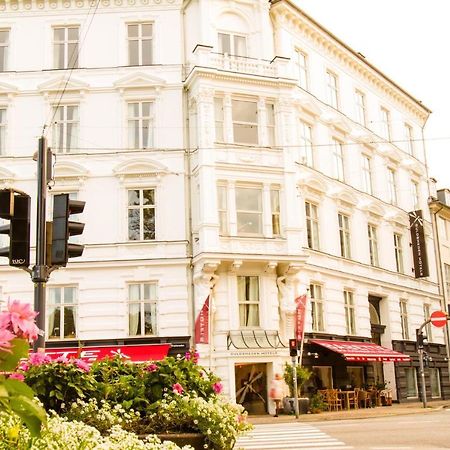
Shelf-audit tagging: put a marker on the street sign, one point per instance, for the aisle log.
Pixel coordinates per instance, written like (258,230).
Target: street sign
(438,318)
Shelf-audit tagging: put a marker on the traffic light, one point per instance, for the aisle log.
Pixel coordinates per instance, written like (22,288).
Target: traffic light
(293,347)
(421,339)
(15,207)
(63,228)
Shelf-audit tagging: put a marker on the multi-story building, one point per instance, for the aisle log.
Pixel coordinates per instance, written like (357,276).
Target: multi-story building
(231,149)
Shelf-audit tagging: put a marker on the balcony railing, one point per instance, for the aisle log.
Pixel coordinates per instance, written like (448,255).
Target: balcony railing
(251,339)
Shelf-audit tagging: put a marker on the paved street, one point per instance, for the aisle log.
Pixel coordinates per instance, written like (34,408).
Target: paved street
(421,431)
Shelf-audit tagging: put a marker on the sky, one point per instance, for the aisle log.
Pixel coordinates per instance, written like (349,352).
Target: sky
(407,40)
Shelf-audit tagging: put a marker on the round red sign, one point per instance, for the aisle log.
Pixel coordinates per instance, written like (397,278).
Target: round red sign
(438,318)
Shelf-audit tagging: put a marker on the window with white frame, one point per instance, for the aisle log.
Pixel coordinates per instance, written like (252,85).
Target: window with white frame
(349,308)
(141,214)
(409,139)
(435,382)
(275,211)
(312,225)
(62,305)
(428,327)
(65,128)
(2,131)
(447,278)
(232,44)
(245,122)
(411,382)
(373,244)
(360,104)
(219,119)
(367,174)
(344,235)
(415,195)
(315,293)
(65,47)
(249,210)
(302,69)
(222,207)
(404,319)
(332,89)
(385,123)
(248,301)
(142,309)
(270,124)
(338,160)
(4,44)
(140,124)
(392,186)
(306,144)
(140,44)
(398,251)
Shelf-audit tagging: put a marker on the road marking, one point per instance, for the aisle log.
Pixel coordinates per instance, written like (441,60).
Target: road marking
(390,448)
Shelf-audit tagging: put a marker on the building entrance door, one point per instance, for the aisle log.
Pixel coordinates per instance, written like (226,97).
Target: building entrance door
(251,387)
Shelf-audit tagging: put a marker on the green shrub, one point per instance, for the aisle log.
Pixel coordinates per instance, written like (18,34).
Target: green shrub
(303,375)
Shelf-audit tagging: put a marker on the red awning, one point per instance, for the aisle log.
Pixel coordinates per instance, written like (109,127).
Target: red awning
(362,351)
(135,353)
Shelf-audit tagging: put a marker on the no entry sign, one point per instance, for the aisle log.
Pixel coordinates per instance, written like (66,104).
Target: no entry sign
(438,318)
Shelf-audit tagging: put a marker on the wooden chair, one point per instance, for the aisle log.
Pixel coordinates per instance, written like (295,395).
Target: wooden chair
(364,400)
(324,394)
(353,399)
(333,399)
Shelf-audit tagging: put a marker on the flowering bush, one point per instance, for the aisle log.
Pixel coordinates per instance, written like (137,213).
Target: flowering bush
(17,328)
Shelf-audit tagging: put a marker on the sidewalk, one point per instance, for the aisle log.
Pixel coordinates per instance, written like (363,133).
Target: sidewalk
(362,413)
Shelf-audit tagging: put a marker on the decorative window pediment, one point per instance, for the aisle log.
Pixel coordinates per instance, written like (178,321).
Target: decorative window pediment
(336,120)
(397,220)
(54,86)
(312,184)
(373,209)
(6,177)
(139,81)
(390,152)
(362,136)
(309,106)
(412,165)
(344,198)
(69,175)
(7,91)
(140,168)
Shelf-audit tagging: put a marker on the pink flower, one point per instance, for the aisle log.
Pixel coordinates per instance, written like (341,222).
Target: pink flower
(5,340)
(177,388)
(196,357)
(62,359)
(83,365)
(22,318)
(187,356)
(5,320)
(17,376)
(152,368)
(217,387)
(36,359)
(24,366)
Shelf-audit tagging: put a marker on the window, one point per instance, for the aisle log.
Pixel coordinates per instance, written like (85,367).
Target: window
(2,131)
(428,327)
(447,278)
(323,377)
(367,174)
(312,225)
(232,44)
(360,99)
(315,292)
(356,376)
(65,47)
(373,245)
(245,122)
(349,307)
(415,195)
(275,211)
(219,119)
(306,144)
(404,319)
(4,43)
(411,382)
(385,123)
(249,210)
(248,299)
(302,69)
(65,128)
(222,209)
(392,186)
(142,299)
(409,139)
(398,249)
(338,160)
(62,313)
(344,235)
(332,89)
(435,382)
(141,214)
(140,44)
(270,125)
(140,124)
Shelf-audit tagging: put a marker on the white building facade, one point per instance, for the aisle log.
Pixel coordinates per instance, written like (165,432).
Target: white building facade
(231,149)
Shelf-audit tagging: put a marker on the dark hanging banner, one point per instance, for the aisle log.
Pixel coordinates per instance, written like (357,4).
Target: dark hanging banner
(418,244)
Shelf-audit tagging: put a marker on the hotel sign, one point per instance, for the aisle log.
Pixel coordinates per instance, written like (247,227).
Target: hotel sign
(418,244)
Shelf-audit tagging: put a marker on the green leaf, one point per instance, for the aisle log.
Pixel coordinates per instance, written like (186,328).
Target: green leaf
(9,361)
(16,387)
(30,413)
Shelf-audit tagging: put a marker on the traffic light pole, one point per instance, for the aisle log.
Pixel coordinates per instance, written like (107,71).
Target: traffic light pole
(423,389)
(39,274)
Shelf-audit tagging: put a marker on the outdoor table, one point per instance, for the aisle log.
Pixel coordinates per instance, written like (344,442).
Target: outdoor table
(345,395)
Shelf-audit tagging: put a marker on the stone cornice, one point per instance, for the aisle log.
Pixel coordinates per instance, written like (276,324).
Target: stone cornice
(286,14)
(41,5)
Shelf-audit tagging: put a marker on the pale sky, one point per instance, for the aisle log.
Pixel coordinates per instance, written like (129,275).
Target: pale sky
(407,40)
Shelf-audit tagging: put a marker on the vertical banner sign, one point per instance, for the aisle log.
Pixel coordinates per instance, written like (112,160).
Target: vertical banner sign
(418,244)
(202,324)
(300,317)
